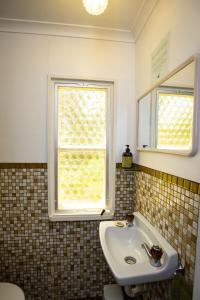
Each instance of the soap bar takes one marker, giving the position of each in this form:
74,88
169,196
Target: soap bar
119,224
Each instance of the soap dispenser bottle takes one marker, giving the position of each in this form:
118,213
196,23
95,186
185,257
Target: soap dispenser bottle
127,158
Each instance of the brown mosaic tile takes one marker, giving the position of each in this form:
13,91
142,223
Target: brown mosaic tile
173,211
194,187
49,260
124,193
63,260
181,182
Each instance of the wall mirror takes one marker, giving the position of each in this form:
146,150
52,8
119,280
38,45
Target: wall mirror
167,113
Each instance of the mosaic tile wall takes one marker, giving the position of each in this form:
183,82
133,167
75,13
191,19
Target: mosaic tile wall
51,260
174,211
125,193
63,260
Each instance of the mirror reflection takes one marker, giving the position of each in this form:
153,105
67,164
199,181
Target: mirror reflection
165,115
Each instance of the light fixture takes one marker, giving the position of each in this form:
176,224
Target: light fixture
95,7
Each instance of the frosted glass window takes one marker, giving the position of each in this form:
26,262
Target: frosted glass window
81,153
175,118
81,116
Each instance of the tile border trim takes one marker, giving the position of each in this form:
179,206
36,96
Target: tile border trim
23,165
189,185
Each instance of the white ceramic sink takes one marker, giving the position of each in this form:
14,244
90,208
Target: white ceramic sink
120,242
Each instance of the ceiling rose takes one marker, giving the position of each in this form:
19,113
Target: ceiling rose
95,7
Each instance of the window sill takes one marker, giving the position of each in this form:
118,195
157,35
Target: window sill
82,216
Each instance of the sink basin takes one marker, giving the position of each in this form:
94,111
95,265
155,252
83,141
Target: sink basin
127,259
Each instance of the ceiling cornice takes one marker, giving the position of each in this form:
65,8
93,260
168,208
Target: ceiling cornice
65,30
142,18
82,31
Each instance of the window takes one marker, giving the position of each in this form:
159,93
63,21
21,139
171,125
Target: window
81,162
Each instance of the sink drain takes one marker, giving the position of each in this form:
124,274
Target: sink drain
130,260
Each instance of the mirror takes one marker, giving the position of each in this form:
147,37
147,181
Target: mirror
167,113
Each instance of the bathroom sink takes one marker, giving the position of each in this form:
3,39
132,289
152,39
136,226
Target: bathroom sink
127,258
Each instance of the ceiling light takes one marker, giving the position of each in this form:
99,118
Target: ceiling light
95,7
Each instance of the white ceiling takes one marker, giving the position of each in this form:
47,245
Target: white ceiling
120,14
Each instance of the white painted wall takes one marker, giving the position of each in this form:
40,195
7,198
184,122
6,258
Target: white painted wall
181,19
25,62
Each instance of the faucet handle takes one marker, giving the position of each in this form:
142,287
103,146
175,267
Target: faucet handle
156,252
130,218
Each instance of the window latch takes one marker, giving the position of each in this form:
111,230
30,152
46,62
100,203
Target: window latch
102,212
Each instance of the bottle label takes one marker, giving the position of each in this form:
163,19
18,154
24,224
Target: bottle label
127,161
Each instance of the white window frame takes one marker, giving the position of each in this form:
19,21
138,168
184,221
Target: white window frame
86,214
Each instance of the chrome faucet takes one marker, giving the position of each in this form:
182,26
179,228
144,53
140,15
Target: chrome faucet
154,253
129,220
